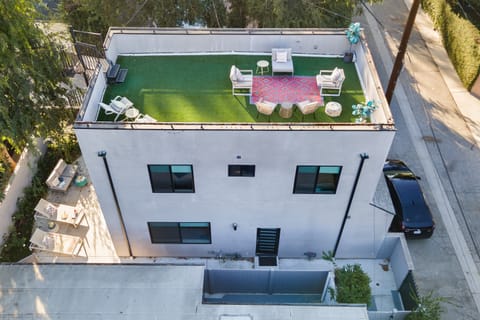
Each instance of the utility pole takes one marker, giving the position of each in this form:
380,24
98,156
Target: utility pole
397,67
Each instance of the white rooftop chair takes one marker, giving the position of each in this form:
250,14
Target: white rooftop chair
242,81
117,108
282,60
331,80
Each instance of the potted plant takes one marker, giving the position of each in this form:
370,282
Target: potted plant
353,36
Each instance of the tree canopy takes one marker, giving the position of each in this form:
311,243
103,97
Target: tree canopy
31,100
98,15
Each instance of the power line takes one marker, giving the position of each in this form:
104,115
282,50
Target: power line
136,12
373,15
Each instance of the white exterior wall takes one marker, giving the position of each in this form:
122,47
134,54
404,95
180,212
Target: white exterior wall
308,222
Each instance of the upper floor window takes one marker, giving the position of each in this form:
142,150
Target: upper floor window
317,179
171,178
241,170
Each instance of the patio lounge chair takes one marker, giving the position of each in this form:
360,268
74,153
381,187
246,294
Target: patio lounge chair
308,107
56,243
331,80
242,81
117,108
124,102
59,213
282,60
265,107
145,118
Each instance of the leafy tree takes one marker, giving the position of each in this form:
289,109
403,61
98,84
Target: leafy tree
31,91
97,15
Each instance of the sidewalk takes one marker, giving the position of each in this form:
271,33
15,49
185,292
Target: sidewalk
465,101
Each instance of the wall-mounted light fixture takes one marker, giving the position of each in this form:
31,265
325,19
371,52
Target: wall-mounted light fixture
234,226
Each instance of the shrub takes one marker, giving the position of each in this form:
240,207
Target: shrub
428,308
352,285
460,38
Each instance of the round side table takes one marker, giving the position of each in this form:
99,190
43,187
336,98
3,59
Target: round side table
132,113
286,110
262,66
333,109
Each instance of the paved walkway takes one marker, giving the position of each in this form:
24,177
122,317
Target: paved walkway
430,84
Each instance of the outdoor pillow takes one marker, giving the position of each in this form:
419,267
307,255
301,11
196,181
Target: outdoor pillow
239,75
233,73
282,56
335,74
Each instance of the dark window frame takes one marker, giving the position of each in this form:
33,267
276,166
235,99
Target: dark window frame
315,180
244,170
172,183
182,239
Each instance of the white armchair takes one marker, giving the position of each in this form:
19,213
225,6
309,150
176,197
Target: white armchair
242,81
308,107
282,60
331,81
265,107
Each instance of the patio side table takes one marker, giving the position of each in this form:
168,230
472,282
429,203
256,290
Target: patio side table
286,110
262,66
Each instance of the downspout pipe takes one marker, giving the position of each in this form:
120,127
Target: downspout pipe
103,154
363,157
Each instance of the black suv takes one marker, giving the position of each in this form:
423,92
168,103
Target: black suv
413,217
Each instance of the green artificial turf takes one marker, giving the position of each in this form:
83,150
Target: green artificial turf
198,89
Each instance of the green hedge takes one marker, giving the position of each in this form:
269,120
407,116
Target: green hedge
460,38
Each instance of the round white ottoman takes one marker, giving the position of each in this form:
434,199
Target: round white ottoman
333,109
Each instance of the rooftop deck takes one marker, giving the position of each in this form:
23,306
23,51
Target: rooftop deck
196,88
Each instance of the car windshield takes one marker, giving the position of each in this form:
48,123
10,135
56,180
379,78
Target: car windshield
400,175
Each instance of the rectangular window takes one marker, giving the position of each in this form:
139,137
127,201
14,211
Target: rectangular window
317,179
171,178
180,232
237,170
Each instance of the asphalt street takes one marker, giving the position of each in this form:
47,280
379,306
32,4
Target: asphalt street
449,148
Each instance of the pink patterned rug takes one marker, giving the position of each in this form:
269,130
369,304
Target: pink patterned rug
285,89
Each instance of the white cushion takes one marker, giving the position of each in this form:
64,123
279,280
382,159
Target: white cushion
233,73
239,75
282,56
335,74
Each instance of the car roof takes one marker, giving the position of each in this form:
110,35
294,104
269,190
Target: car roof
413,205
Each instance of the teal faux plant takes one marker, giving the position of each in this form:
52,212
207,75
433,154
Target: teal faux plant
353,36
363,110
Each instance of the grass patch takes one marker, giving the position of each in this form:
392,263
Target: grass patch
198,89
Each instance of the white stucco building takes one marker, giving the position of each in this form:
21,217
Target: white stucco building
201,188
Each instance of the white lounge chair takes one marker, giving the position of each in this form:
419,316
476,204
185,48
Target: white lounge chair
56,243
123,100
242,81
331,80
117,108
145,118
282,60
59,213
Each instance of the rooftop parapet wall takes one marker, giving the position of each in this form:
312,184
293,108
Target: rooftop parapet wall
331,42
